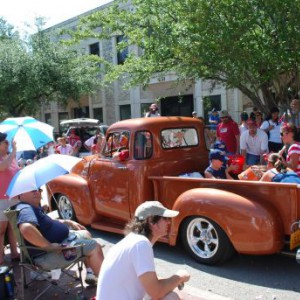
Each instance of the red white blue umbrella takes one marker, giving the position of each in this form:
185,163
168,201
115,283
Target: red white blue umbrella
33,176
29,133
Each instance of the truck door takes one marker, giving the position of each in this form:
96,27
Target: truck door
109,178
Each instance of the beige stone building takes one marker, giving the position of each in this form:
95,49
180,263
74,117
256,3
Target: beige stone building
114,103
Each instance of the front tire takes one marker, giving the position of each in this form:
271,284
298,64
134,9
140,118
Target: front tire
65,208
206,241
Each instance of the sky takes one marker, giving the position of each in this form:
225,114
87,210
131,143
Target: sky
21,12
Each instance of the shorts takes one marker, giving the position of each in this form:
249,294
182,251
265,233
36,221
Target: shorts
56,260
5,204
252,159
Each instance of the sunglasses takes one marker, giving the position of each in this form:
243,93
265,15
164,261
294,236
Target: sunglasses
37,191
283,133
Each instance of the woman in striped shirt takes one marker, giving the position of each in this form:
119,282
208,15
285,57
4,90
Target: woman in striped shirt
290,137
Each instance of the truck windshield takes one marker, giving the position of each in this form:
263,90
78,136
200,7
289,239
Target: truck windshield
179,137
116,142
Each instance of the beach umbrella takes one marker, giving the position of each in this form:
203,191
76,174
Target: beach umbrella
29,133
33,176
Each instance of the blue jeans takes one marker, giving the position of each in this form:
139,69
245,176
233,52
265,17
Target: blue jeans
252,159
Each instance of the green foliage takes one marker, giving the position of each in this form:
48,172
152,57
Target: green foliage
252,45
40,71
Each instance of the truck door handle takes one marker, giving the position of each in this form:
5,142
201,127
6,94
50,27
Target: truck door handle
122,168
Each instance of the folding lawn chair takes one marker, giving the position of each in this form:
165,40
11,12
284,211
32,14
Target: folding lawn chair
26,262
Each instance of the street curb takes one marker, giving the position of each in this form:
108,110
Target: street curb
203,294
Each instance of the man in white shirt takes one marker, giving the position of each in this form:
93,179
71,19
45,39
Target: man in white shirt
253,144
128,270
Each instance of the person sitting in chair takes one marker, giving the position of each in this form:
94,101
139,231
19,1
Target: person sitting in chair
41,231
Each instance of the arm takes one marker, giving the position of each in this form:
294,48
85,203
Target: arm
293,163
228,170
74,225
244,152
209,175
237,137
267,176
158,288
8,160
34,237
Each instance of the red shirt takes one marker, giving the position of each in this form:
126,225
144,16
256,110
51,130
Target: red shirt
227,133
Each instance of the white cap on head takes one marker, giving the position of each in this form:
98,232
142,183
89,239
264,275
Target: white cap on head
154,208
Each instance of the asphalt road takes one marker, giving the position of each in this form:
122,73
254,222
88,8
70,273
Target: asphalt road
242,278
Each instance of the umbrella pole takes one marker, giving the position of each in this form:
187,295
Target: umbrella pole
52,196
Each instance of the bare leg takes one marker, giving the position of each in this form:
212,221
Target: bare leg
13,242
3,226
94,259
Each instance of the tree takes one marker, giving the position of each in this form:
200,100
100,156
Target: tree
39,71
250,45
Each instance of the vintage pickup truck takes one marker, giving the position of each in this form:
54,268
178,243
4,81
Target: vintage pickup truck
217,217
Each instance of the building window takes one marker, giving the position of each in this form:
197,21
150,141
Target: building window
125,112
144,108
98,114
94,49
81,112
48,119
122,53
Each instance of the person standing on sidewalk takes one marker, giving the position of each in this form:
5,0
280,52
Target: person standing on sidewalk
8,168
229,133
128,270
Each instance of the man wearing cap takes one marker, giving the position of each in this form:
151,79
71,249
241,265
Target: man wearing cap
214,118
128,270
228,132
254,143
218,168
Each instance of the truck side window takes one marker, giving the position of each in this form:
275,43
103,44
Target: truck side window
179,138
143,145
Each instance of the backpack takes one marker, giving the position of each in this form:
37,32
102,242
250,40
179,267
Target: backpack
288,177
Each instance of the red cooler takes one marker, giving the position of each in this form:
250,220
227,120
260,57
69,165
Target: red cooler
238,160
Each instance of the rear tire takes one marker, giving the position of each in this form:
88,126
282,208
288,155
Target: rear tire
65,208
206,241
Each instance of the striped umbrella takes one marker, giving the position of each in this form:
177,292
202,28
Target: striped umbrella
29,133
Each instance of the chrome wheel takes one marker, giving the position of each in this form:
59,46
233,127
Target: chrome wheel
205,240
202,238
65,208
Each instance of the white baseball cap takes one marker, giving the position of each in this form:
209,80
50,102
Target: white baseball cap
154,208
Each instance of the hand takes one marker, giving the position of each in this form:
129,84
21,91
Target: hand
232,167
75,225
183,275
271,127
14,145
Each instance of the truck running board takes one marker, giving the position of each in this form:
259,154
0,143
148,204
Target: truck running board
110,227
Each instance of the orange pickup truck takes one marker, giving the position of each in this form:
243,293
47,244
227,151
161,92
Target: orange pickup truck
142,159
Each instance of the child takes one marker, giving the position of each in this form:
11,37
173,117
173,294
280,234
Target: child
217,169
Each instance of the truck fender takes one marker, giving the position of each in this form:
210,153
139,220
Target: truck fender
252,225
76,189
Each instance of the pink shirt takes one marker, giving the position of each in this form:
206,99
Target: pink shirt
6,177
295,148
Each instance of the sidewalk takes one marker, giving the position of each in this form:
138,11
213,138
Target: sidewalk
67,283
